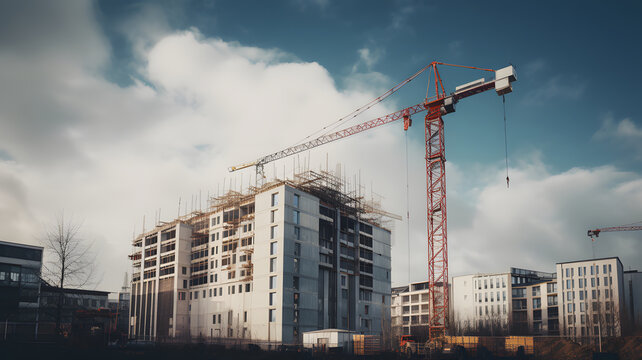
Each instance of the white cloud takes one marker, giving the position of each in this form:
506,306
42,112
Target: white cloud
540,220
543,218
624,134
111,155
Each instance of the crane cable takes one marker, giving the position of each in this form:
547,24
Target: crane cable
407,205
505,142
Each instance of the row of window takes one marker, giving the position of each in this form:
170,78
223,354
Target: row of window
484,310
478,283
583,294
214,292
594,269
595,281
414,298
492,298
273,251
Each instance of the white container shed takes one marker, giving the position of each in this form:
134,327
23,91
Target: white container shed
328,339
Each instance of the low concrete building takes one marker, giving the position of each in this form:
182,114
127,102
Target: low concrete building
72,300
486,303
410,311
535,309
20,268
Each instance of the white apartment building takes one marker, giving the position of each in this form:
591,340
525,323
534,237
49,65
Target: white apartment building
535,308
481,302
264,267
410,310
484,303
591,297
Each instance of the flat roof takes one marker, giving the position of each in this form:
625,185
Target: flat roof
47,287
328,330
35,247
588,260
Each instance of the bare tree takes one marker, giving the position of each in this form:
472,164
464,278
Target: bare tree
70,262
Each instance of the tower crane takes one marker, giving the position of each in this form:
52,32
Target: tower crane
631,227
436,105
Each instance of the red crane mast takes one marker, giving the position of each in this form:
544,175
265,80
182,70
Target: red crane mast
437,105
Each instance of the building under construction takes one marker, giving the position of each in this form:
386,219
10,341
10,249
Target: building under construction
265,266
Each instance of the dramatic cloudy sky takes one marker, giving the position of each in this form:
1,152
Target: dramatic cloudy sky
112,111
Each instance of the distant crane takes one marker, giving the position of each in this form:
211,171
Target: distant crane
631,227
436,105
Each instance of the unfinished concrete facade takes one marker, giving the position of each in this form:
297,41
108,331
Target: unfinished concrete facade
266,266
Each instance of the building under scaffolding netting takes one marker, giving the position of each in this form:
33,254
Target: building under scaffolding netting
264,266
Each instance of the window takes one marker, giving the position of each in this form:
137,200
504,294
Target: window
519,292
552,300
272,216
295,282
297,233
295,200
244,316
273,247
296,265
604,269
247,287
273,232
272,298
297,249
275,199
272,315
272,264
272,282
537,303
296,217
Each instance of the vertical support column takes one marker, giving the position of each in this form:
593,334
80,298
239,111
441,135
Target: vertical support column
437,246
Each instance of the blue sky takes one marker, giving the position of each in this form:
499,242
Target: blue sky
577,61
112,110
